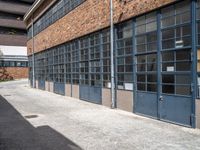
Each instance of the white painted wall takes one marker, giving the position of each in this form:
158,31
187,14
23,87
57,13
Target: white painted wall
13,50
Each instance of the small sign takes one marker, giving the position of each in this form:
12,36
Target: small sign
170,68
128,86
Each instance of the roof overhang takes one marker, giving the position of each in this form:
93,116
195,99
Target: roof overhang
32,9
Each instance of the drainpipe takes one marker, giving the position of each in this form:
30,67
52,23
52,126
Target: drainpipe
33,55
112,55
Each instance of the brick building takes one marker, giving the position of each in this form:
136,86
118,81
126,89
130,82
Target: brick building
156,54
13,38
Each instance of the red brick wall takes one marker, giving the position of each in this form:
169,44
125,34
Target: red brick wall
13,72
89,17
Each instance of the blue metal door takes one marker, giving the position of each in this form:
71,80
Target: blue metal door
41,84
59,88
91,94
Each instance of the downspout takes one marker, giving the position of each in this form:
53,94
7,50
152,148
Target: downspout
112,55
33,55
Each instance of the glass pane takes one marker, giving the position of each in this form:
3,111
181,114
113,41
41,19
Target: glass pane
168,79
141,48
183,55
169,21
141,67
183,90
141,59
183,66
183,79
151,27
152,87
141,78
141,87
168,56
151,78
168,67
151,67
168,89
168,44
168,34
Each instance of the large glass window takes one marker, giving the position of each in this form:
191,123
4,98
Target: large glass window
75,62
176,49
58,69
176,26
68,57
124,59
84,61
61,8
95,60
146,52
106,58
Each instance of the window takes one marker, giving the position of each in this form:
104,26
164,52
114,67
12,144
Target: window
95,60
146,52
176,26
124,56
59,64
75,62
68,62
84,61
61,8
176,14
106,58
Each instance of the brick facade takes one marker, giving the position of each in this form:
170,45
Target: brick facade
89,17
9,73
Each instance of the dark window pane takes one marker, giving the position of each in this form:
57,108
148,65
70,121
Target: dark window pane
168,79
151,87
152,78
183,79
141,78
141,87
168,89
183,66
167,56
183,55
183,90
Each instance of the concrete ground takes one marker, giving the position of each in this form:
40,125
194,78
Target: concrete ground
32,119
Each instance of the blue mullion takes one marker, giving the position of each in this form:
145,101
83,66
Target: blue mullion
194,63
159,75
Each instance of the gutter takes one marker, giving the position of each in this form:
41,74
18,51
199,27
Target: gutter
32,9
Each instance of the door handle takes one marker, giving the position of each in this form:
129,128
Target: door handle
161,98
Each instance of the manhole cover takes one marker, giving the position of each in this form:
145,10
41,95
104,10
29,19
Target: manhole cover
7,95
31,116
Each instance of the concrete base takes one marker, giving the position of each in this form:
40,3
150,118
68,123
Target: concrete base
68,90
46,86
106,97
36,84
75,91
198,113
125,100
51,87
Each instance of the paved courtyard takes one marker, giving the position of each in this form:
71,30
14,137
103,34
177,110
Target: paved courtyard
32,119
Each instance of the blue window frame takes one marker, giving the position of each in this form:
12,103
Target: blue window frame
84,61
57,11
124,60
146,52
58,68
68,58
75,61
176,49
95,60
106,58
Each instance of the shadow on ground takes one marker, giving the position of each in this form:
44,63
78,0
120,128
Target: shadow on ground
18,134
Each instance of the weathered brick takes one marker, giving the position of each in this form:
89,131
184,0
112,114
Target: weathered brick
91,16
